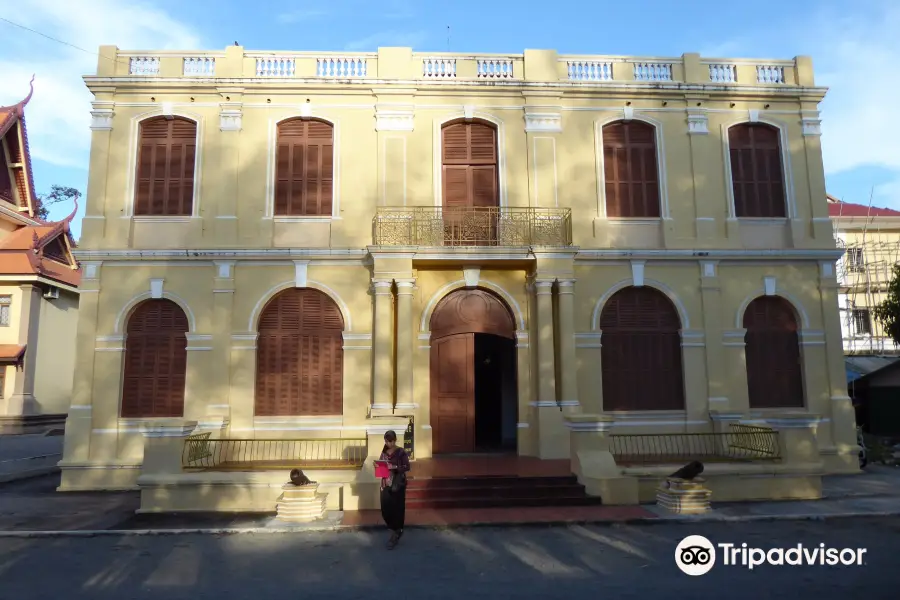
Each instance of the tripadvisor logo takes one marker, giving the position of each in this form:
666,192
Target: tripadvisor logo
696,555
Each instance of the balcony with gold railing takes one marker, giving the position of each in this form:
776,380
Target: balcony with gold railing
472,226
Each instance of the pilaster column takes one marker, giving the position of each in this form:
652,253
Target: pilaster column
546,363
553,439
567,362
93,225
405,340
382,347
22,401
223,306
78,423
735,369
225,184
711,297
843,417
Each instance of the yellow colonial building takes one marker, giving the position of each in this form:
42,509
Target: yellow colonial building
517,253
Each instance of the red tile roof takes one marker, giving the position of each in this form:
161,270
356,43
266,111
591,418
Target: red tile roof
11,353
22,252
847,209
9,117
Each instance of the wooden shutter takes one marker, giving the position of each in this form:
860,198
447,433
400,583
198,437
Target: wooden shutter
304,173
457,189
165,172
155,361
630,170
756,173
300,356
469,158
641,352
772,346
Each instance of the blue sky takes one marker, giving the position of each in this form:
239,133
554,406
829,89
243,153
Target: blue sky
854,45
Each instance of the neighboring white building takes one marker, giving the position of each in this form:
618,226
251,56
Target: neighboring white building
871,239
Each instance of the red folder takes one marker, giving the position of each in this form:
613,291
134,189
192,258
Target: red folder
381,469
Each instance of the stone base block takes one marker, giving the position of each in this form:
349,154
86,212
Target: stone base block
301,504
683,497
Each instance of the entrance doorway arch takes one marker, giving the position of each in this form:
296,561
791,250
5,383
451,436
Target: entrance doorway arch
473,373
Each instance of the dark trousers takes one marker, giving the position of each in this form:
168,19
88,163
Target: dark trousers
393,508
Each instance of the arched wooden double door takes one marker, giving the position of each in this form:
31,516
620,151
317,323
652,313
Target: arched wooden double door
456,321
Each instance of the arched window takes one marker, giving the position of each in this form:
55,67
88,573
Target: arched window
641,352
774,375
630,170
300,356
304,177
155,360
469,160
167,152
756,174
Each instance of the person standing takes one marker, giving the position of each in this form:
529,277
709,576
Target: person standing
393,487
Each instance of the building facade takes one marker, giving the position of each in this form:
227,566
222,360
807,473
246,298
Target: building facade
870,238
311,245
39,280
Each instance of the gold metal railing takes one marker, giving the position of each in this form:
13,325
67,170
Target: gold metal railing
742,443
203,453
472,226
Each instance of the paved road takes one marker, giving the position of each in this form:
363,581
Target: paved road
576,562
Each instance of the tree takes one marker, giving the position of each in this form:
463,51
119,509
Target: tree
58,194
888,312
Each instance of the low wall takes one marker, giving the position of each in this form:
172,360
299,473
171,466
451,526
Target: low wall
734,483
251,491
92,477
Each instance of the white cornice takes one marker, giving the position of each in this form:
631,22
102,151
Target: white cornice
511,253
223,254
785,254
262,82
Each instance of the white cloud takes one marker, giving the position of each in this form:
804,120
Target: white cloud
58,115
857,57
387,38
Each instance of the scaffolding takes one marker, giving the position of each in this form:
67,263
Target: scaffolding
864,274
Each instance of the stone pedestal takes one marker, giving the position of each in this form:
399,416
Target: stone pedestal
683,497
301,503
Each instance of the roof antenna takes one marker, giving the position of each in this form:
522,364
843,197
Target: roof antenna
448,38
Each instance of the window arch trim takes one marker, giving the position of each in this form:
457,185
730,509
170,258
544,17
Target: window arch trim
657,285
787,175
269,295
131,305
659,139
446,290
800,312
271,167
134,142
437,157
